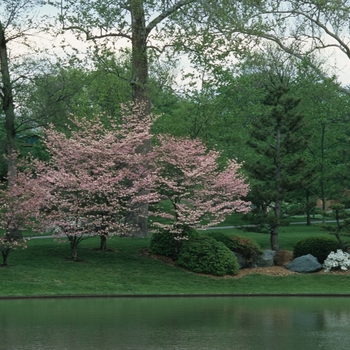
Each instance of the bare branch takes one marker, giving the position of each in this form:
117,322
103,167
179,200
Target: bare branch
296,54
344,46
93,37
168,12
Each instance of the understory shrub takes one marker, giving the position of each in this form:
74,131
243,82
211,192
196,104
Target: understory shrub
339,260
319,247
162,243
248,248
219,236
206,255
167,243
283,257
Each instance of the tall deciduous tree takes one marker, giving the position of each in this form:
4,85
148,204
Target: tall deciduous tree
7,102
279,166
189,176
327,112
141,23
16,22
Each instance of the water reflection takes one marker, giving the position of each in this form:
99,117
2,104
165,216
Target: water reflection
175,323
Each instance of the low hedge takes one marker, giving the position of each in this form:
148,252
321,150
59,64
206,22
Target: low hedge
319,247
248,248
207,255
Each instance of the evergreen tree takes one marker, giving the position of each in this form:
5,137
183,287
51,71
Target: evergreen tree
279,167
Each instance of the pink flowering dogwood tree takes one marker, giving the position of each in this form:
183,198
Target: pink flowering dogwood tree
189,176
95,175
19,207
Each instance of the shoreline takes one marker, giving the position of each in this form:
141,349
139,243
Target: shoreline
153,296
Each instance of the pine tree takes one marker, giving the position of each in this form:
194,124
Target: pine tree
279,167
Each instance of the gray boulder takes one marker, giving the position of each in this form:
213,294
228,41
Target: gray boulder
241,261
305,264
266,259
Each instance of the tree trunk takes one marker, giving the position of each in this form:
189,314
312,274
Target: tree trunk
278,201
322,171
274,232
140,97
274,239
308,209
308,217
8,107
5,253
103,243
74,247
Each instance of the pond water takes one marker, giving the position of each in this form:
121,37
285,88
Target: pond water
246,323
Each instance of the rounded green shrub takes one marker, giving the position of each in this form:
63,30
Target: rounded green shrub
190,232
319,247
164,243
219,236
248,248
206,255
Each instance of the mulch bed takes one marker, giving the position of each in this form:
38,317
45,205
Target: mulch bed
270,271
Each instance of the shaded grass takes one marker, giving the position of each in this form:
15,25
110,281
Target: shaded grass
288,235
45,269
235,219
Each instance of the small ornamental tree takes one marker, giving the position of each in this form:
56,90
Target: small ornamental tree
201,194
94,177
19,207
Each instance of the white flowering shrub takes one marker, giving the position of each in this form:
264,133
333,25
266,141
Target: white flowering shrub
337,260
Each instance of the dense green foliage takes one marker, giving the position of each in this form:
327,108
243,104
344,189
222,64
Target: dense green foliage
319,247
206,255
279,145
248,248
164,243
219,236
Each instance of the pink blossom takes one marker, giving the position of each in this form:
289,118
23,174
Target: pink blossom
201,194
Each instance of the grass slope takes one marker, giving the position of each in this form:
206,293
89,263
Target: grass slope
45,269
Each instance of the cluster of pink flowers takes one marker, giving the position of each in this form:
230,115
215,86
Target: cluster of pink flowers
201,194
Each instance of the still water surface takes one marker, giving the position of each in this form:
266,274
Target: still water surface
176,323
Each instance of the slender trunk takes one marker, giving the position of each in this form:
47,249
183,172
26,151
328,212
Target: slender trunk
103,243
308,209
8,107
141,99
274,240
5,253
322,184
308,217
73,240
278,201
337,231
274,232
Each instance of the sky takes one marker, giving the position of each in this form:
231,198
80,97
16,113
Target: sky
338,62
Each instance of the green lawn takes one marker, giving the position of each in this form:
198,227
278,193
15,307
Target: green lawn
45,269
235,219
288,235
